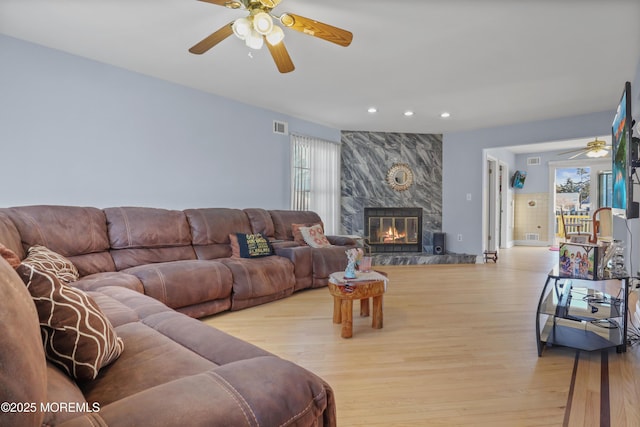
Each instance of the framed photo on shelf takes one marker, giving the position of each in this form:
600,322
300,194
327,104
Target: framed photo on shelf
579,260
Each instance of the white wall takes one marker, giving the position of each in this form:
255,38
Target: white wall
75,131
464,159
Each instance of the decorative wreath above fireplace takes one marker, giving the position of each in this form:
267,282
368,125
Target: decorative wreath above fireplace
400,176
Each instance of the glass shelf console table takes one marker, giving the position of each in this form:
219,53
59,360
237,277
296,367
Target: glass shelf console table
585,314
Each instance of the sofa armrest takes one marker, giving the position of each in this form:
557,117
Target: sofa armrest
279,244
301,257
265,391
342,240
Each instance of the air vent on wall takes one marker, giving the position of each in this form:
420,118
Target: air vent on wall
533,161
281,128
531,236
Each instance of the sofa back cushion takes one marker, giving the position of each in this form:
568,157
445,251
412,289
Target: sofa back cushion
282,221
261,222
78,233
9,235
23,374
140,235
211,227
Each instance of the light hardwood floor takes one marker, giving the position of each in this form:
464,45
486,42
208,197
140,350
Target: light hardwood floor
458,348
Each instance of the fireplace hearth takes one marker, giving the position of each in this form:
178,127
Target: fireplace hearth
393,229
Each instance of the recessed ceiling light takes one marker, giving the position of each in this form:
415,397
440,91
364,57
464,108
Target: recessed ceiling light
408,113
445,115
372,110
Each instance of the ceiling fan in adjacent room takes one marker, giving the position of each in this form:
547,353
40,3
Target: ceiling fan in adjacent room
594,149
258,28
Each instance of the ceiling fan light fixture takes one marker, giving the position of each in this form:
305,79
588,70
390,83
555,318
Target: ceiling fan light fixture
241,28
262,23
597,153
254,40
275,36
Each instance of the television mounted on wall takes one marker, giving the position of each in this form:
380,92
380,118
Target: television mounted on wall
622,162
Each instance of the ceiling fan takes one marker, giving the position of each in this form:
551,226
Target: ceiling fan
258,28
594,149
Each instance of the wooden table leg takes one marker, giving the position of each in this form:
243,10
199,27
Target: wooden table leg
337,317
347,318
364,307
376,322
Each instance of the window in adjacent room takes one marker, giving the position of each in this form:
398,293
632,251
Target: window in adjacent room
315,179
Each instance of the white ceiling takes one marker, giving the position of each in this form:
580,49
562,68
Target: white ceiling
487,62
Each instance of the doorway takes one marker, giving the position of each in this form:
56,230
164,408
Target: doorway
577,189
496,226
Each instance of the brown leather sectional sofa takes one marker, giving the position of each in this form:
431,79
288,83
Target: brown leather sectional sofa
142,266
181,258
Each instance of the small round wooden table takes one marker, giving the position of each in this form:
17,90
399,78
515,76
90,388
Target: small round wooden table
343,296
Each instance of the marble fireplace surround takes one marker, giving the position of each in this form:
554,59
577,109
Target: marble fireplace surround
366,160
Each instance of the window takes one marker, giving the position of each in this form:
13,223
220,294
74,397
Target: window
315,179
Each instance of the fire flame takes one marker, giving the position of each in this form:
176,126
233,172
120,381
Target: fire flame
392,235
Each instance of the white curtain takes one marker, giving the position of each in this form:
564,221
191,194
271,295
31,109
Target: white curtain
315,179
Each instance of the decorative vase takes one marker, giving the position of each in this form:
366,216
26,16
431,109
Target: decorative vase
350,272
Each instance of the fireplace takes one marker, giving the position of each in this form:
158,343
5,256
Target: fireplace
393,229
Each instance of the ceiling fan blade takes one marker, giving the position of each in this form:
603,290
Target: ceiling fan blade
231,4
281,57
575,155
212,40
317,29
574,151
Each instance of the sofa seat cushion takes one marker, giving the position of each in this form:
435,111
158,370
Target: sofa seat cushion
259,280
150,359
111,278
266,391
182,283
214,376
275,392
123,306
